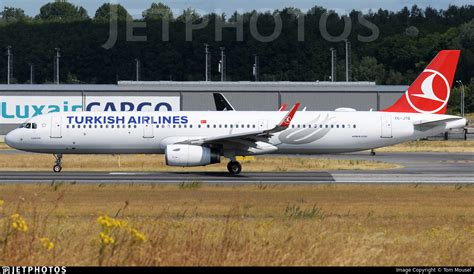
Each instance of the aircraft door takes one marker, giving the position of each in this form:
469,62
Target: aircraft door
56,127
386,127
148,131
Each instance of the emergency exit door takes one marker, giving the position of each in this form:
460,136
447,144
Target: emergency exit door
55,127
386,127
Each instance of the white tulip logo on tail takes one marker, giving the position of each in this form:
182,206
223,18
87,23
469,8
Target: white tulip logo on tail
435,88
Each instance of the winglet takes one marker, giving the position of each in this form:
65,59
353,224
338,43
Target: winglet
283,107
287,120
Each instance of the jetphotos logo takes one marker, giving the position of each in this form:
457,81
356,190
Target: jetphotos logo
33,270
430,93
17,109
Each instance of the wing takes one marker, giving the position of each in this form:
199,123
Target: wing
246,137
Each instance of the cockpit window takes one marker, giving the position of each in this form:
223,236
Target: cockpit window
29,125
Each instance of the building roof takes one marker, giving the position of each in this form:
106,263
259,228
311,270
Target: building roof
214,87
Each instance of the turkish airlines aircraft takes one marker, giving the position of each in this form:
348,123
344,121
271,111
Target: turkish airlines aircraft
199,138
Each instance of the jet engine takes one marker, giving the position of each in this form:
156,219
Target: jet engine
190,155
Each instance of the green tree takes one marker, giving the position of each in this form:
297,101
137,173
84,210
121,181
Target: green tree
158,12
189,14
13,15
368,69
103,12
61,10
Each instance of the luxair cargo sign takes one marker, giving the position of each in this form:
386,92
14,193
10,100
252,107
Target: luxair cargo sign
17,109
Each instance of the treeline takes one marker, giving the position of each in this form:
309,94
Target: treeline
401,44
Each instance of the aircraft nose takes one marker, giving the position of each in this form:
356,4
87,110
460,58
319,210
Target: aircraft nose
11,139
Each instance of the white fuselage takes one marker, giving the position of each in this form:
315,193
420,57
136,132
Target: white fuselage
310,132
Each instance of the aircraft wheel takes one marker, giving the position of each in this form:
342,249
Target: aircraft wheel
234,168
57,168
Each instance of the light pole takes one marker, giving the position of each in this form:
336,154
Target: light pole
208,62
256,68
31,73
333,64
462,96
57,64
222,64
9,54
137,63
348,58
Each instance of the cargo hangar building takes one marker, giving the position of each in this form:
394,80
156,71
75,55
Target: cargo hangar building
21,102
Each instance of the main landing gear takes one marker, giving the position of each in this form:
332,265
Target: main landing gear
57,167
234,167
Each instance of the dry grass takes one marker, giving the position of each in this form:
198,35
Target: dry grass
238,225
41,162
432,146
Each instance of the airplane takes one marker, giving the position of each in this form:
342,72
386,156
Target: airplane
200,138
222,104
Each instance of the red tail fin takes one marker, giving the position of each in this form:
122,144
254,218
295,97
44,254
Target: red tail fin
430,91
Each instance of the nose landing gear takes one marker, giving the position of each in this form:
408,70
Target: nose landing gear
57,168
234,167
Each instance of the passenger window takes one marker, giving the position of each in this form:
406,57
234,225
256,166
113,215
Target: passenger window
72,126
304,126
354,126
95,126
35,126
231,126
327,126
253,126
215,126
337,126
134,126
343,126
67,126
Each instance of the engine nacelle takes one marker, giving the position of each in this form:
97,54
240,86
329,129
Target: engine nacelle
189,155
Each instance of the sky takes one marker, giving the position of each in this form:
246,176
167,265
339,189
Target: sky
135,7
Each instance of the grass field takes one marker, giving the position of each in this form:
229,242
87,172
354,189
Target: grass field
42,162
196,224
